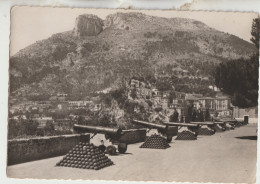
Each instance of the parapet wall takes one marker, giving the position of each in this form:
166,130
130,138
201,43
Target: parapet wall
24,150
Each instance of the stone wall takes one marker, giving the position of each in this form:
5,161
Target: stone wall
24,150
251,112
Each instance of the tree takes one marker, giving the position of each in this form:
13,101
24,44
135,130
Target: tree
201,116
194,115
158,109
207,115
13,128
239,78
189,114
133,93
81,120
163,85
49,128
175,116
172,96
31,127
255,32
104,120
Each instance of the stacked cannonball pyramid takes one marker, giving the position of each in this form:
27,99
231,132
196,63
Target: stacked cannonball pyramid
85,156
205,131
155,142
186,135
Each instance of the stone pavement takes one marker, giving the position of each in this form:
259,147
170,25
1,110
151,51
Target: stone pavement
224,157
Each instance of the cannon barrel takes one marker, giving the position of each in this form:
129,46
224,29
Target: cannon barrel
97,129
181,124
150,125
229,120
219,122
203,123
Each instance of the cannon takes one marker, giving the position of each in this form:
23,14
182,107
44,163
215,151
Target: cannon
165,130
220,124
205,127
209,124
111,134
192,127
228,122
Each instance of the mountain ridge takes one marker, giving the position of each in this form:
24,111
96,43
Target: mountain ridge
100,53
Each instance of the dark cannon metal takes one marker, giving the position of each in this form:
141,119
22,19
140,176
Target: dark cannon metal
208,124
165,130
192,127
111,134
221,124
231,122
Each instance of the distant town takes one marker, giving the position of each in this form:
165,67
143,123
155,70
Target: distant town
59,113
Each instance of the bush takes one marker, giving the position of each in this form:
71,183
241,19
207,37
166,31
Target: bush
158,109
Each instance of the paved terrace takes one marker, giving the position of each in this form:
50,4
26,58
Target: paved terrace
224,157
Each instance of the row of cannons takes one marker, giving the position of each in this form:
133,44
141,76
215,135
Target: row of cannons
88,156
181,131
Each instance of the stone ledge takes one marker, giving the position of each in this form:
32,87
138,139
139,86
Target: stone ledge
25,150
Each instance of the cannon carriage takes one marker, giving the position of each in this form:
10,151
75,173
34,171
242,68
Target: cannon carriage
164,130
168,129
111,134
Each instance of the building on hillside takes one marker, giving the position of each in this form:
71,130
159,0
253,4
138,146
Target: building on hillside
19,117
62,95
80,104
180,95
61,106
165,102
166,94
63,124
179,72
156,92
97,107
222,106
146,93
43,121
134,83
173,104
206,103
58,98
193,99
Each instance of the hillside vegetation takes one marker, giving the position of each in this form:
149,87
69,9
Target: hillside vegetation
98,54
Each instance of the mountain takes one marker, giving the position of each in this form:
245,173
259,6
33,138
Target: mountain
98,54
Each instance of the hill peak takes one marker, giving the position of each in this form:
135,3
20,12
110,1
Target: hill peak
88,25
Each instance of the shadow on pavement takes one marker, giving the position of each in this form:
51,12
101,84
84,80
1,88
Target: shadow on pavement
248,137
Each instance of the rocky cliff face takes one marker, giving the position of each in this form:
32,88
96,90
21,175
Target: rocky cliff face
99,54
88,25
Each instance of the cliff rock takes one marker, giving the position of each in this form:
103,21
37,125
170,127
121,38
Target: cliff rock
88,25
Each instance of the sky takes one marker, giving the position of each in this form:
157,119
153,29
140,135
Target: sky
29,24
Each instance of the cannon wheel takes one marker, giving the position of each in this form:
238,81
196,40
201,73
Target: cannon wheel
169,139
111,150
214,130
122,147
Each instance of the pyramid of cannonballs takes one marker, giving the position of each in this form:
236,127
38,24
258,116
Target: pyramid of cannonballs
186,135
155,142
205,131
85,156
